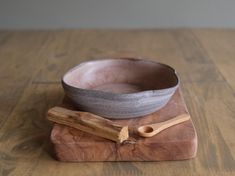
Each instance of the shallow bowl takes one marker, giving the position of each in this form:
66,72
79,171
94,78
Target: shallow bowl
120,88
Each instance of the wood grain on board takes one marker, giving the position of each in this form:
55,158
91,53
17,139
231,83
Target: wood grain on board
32,63
176,143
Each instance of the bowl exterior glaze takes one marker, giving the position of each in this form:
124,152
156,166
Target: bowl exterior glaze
117,105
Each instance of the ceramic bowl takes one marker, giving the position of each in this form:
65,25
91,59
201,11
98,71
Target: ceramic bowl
120,88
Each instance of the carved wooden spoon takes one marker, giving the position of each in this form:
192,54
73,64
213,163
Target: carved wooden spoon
152,129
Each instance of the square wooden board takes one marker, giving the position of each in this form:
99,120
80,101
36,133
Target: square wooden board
176,143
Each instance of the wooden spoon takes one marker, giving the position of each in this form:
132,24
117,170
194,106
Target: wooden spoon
152,129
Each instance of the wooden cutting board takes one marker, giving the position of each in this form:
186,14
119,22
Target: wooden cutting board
176,143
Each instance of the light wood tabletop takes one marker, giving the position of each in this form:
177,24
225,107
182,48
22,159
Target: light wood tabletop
31,66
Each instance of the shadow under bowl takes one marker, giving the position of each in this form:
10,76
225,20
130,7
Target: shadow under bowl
120,88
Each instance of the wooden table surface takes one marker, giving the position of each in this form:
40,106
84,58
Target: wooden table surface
32,63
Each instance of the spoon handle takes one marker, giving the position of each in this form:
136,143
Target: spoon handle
152,129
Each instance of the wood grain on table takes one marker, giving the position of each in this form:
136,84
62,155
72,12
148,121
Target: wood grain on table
32,63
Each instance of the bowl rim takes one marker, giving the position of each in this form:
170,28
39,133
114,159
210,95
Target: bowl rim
111,95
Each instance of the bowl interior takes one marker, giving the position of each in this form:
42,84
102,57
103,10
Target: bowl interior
121,76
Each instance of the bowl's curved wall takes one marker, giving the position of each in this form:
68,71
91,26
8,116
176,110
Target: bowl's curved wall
154,84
